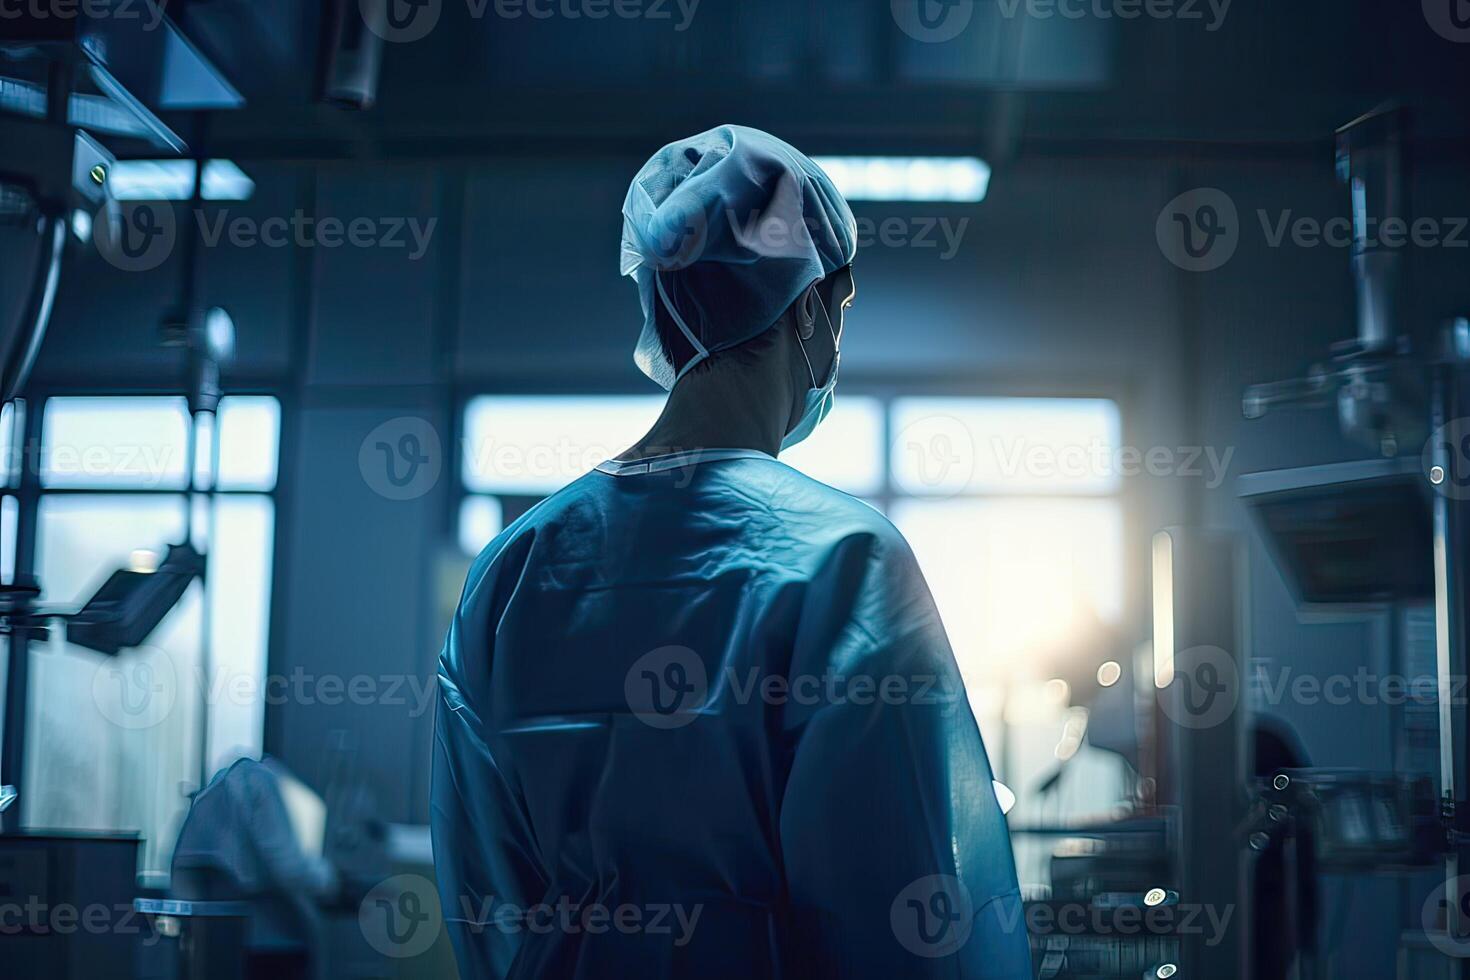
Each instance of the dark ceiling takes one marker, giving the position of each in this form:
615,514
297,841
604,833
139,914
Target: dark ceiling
1251,76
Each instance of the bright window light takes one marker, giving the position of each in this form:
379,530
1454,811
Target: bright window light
956,179
203,452
83,538
480,519
1003,795
948,446
9,444
123,443
534,445
250,433
173,180
239,590
115,442
9,518
846,451
1016,579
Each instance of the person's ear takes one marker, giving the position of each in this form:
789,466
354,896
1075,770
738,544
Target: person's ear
806,314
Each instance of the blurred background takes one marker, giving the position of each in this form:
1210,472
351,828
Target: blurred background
1156,361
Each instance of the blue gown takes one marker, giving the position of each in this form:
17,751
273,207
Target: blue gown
699,718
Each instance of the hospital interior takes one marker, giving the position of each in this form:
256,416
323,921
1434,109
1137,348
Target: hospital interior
1158,359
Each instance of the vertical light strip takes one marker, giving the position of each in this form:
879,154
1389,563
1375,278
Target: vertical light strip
1163,595
10,442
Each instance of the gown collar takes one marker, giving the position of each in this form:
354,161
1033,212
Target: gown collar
671,461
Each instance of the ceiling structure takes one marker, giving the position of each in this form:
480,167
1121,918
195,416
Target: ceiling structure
1037,76
1002,78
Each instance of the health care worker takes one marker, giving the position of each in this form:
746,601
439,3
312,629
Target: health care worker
698,715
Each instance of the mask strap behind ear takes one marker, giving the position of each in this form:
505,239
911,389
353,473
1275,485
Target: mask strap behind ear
806,357
831,327
658,282
811,373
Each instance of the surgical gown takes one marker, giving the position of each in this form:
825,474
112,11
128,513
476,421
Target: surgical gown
699,718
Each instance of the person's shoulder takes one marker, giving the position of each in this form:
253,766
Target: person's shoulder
807,494
503,558
543,512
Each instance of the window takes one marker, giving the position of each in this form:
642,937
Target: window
1012,506
519,449
118,485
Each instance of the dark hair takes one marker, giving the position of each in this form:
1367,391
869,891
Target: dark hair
679,351
676,347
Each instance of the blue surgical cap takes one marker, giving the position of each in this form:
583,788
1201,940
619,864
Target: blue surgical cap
728,229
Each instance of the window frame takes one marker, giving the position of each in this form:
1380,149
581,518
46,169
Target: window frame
886,392
28,491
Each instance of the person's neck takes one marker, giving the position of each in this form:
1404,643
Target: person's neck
728,406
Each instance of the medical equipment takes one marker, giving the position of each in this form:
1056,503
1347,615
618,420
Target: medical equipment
1375,379
1389,395
65,81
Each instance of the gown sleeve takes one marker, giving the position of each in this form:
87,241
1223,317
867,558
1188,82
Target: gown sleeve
897,854
484,856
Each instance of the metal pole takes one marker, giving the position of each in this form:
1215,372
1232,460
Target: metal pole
17,679
1450,474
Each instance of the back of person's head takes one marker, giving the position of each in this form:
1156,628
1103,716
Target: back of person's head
726,234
